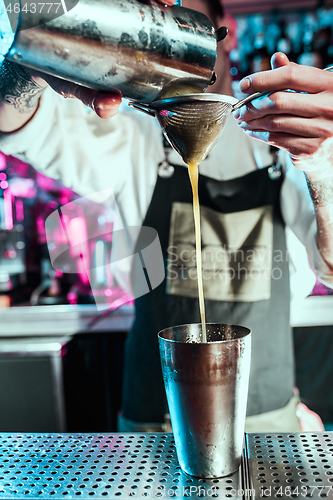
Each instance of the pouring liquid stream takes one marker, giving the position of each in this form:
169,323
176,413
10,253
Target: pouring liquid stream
193,169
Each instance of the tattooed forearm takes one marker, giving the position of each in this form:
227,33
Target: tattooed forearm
321,191
17,88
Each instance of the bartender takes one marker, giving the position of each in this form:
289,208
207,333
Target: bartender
248,195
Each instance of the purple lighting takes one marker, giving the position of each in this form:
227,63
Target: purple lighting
8,198
19,210
2,161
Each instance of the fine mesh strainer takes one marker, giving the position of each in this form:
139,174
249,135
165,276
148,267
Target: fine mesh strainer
193,123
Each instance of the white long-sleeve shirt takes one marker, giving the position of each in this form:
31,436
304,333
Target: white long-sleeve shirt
67,142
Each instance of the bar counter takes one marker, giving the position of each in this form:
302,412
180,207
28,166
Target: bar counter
44,321
85,466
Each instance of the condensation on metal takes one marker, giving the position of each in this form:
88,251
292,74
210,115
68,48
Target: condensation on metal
296,465
85,466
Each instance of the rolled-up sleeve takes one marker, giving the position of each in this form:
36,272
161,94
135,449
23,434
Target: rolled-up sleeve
66,141
299,215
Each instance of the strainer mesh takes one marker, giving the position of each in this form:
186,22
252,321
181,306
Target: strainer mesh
193,128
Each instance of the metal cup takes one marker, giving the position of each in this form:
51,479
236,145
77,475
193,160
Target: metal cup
140,48
206,386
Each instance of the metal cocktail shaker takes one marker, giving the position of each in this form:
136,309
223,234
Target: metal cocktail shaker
140,47
206,386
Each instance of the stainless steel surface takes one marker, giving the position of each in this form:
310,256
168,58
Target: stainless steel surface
99,466
33,346
137,465
70,319
47,321
295,465
138,47
206,386
51,348
312,311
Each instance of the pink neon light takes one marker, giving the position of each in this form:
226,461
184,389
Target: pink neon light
19,210
53,204
24,188
78,237
3,176
7,199
2,162
119,302
108,292
10,254
71,297
4,184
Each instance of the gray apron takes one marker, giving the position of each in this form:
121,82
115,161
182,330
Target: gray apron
246,282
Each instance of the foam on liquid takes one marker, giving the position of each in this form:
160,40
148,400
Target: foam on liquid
193,169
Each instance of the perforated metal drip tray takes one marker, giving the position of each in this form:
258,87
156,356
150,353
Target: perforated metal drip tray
124,466
285,466
95,466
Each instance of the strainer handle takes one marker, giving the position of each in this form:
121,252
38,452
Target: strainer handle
249,98
143,107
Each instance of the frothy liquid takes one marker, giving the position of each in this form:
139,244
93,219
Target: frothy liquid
193,170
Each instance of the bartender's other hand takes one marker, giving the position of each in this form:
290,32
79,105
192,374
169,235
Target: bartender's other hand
299,122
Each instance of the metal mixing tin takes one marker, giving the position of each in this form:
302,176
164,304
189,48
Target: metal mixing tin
138,47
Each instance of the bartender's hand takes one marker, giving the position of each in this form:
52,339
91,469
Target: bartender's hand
21,88
299,122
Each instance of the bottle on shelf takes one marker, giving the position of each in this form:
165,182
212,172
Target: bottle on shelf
261,57
284,43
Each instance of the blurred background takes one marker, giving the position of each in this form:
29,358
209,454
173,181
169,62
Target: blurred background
61,358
